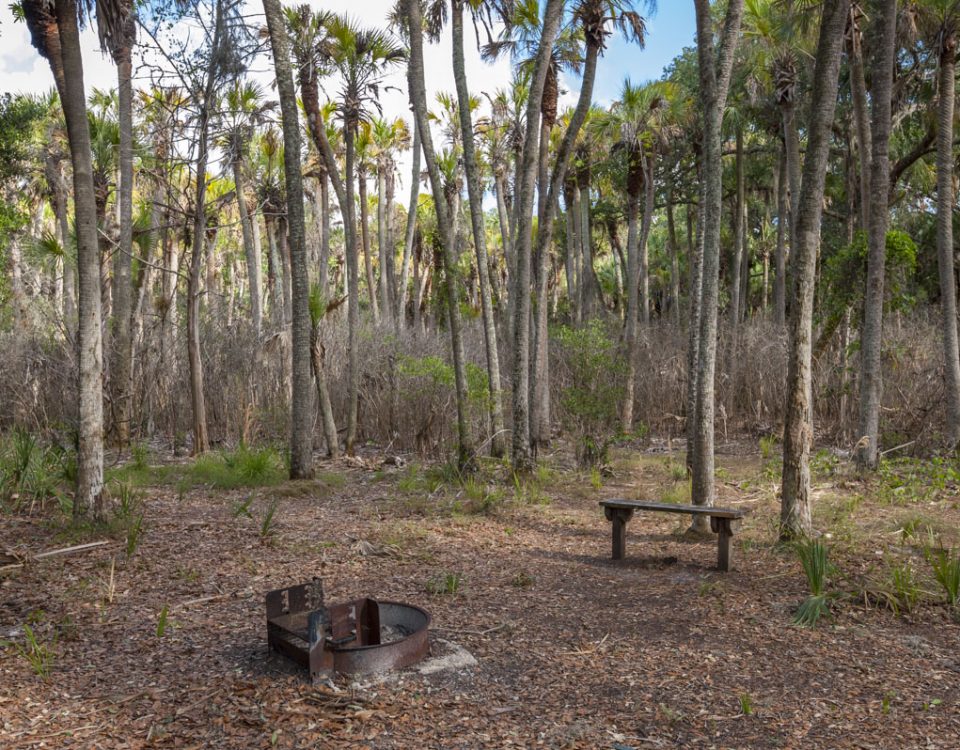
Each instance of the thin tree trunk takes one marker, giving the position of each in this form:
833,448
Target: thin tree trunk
858,95
795,509
382,245
522,457
735,267
631,293
301,411
876,215
418,98
674,260
249,248
475,194
945,249
69,68
411,228
780,256
715,69
365,237
323,196
121,379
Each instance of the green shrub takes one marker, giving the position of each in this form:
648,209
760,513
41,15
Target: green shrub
816,567
946,569
593,374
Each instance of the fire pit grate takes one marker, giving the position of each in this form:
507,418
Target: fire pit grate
361,636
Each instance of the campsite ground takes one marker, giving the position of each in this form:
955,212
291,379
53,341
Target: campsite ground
157,639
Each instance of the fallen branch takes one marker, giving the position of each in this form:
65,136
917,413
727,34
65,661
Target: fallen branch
55,553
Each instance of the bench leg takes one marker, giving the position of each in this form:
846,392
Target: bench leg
724,548
619,535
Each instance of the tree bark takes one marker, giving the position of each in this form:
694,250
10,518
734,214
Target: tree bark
795,509
121,375
946,93
522,456
715,70
418,98
301,411
876,215
780,257
249,248
401,294
475,193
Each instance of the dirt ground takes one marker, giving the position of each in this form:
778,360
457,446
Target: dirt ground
166,647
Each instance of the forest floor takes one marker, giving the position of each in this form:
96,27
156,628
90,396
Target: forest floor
157,639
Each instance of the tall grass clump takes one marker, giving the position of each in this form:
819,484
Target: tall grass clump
816,567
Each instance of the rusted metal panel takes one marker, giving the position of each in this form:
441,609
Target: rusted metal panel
361,636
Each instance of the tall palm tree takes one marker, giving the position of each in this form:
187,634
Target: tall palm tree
388,138
418,98
877,218
55,33
715,67
795,508
245,109
631,126
361,57
364,161
475,194
939,21
117,27
301,413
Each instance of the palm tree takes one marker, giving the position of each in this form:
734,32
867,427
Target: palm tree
939,20
877,217
364,160
361,57
714,70
388,137
418,99
630,125
795,510
245,110
55,33
475,194
301,413
117,27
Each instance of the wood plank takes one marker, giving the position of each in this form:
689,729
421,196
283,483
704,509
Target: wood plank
701,510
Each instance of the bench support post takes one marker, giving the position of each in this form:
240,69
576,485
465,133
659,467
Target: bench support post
618,518
724,531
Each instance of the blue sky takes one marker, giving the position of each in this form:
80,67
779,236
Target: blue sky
669,30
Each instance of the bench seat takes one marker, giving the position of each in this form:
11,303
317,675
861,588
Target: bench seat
619,512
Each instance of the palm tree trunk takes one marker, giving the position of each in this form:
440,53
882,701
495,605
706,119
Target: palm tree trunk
249,248
877,217
674,260
795,510
121,381
365,236
301,411
401,293
67,67
540,413
642,248
498,443
522,457
631,284
714,83
735,267
945,249
353,301
382,246
780,257
858,95
323,208
418,97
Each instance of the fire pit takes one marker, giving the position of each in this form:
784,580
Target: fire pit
362,636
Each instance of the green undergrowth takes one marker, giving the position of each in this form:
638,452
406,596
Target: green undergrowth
242,467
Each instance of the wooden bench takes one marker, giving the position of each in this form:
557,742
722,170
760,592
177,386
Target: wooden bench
721,523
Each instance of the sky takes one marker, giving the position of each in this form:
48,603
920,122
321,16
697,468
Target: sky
669,30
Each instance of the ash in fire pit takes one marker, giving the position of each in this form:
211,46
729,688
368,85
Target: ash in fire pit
362,636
